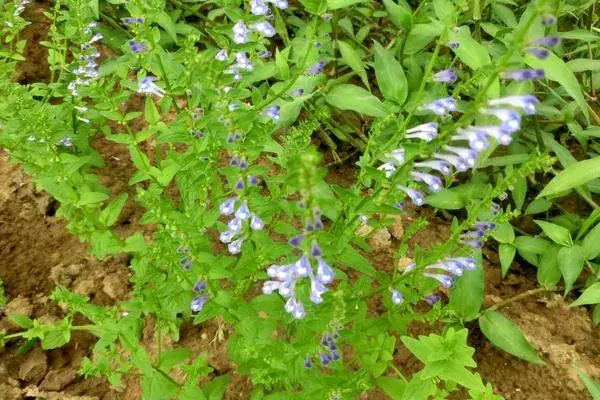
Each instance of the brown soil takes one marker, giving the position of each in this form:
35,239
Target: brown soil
37,254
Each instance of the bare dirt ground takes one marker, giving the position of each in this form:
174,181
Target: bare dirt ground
37,254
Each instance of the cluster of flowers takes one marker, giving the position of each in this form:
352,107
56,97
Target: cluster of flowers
135,46
330,354
199,300
86,71
236,227
285,277
186,261
474,237
263,27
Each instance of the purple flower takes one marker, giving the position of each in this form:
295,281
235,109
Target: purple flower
252,180
396,156
511,120
476,244
548,41
439,165
445,280
137,47
524,74
316,68
186,263
449,266
295,308
243,163
468,156
264,54
426,132
456,161
432,299
324,358
445,76
258,7
315,250
235,225
296,240
281,4
132,20
325,274
316,291
416,196
236,246
441,106
297,92
537,52
484,225
222,55
147,86
227,236
228,206
264,28
308,362
199,286
477,140
240,184
256,224
495,208
240,33
303,267
273,112
397,297
525,102
243,212
434,184
548,20
453,45
242,61
502,137
198,303
388,168
270,286
468,263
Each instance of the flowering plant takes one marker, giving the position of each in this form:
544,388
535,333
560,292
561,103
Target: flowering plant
234,115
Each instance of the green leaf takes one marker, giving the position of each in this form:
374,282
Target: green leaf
352,58
570,261
592,387
336,4
573,176
109,215
353,259
393,387
390,75
504,233
352,97
151,114
506,252
156,386
281,62
556,70
165,21
215,389
584,64
558,234
503,333
400,16
591,247
420,36
446,200
170,358
21,320
467,296
538,206
91,198
548,273
591,295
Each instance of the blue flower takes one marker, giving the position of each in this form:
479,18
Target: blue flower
264,54
537,52
441,106
243,212
281,4
264,28
296,240
511,120
397,297
243,62
453,267
316,291
308,362
445,76
294,307
297,92
258,7
477,140
315,250
432,299
200,286
273,112
445,280
548,41
228,206
525,102
236,246
222,55
416,196
468,156
316,68
426,132
240,33
524,74
456,161
476,244
325,274
453,45
147,86
198,303
256,224
434,184
548,20
439,165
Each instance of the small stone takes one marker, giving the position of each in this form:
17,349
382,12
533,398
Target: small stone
404,262
34,367
114,286
57,379
19,305
397,228
381,239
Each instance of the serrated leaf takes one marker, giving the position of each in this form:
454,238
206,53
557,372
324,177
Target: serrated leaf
556,70
355,98
558,234
570,261
21,320
503,333
573,176
591,295
109,215
352,58
390,75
